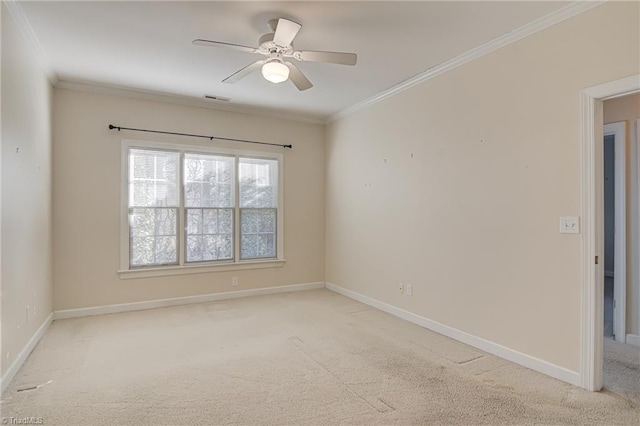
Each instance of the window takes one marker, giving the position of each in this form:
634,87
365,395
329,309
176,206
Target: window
209,206
258,208
153,207
199,207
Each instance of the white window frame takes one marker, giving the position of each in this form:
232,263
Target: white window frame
200,267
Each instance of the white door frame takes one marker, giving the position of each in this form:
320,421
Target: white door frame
634,234
618,131
591,362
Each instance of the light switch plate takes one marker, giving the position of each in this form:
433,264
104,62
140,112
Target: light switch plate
569,225
408,289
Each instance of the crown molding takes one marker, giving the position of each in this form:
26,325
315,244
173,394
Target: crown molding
562,14
27,32
150,95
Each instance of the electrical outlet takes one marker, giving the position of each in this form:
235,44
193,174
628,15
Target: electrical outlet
408,289
401,287
234,281
7,355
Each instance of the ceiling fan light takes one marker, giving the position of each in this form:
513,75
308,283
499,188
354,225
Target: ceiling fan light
275,71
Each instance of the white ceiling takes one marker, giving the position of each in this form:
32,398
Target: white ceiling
147,45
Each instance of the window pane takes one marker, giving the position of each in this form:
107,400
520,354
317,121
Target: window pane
208,180
153,178
266,245
209,234
258,183
165,250
249,246
194,221
194,248
225,245
153,236
142,251
258,233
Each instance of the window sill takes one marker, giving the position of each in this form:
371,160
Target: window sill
199,269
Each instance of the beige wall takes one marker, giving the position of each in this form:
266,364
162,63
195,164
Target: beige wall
86,187
456,186
26,193
627,108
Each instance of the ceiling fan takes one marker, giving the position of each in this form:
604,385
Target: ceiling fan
276,46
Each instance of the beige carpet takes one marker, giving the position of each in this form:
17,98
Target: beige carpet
311,357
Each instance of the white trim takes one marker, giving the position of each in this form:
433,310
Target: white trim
493,348
23,24
562,14
238,264
633,339
591,362
24,353
151,95
163,303
2,380
614,89
635,238
618,131
200,269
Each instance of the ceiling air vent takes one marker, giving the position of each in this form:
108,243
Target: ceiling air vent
217,98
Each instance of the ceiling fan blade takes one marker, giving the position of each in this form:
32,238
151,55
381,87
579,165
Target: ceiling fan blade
239,75
286,31
329,57
297,78
212,43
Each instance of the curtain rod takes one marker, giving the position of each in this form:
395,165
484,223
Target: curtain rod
118,128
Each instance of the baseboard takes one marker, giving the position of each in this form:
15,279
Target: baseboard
509,354
24,353
162,303
608,274
633,339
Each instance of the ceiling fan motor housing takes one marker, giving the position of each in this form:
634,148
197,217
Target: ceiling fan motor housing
266,46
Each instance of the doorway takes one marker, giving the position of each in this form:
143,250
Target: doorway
593,232
615,206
